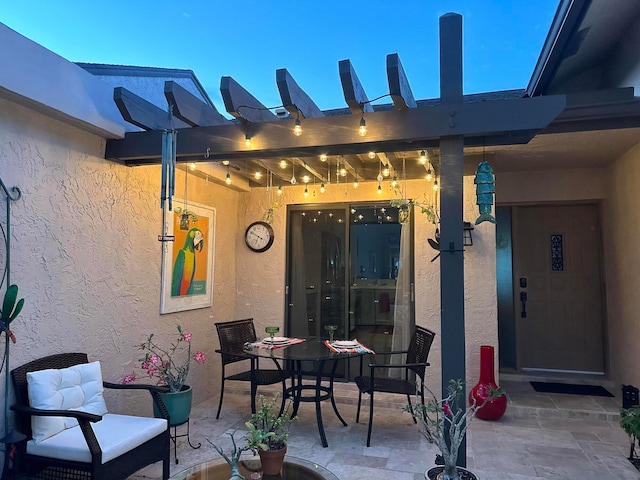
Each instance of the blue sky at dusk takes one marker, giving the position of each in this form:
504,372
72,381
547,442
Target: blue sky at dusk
249,40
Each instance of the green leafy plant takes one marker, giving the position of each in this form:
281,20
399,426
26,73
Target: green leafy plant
267,430
630,423
448,416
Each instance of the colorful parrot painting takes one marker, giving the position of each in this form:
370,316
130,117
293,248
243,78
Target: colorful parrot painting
184,267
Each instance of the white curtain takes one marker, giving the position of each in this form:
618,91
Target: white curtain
402,330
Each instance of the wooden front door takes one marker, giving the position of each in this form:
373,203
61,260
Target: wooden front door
558,288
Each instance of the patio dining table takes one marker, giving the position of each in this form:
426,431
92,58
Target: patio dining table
311,350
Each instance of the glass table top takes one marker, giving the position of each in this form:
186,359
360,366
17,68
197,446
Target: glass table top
293,469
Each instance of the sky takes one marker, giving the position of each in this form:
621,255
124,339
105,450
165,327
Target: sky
250,39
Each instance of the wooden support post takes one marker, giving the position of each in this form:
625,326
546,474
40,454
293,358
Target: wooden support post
451,201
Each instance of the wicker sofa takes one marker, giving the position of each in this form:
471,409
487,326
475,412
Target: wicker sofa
101,445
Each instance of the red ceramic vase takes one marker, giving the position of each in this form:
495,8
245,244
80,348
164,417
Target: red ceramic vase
494,408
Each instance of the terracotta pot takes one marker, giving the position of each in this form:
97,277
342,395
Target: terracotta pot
494,408
272,460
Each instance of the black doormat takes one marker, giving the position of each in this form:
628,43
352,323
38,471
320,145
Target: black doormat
550,387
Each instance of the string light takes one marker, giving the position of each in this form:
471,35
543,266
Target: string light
192,166
279,190
379,189
283,164
355,183
247,140
258,175
429,175
306,191
362,131
394,182
423,158
323,157
385,170
228,179
225,162
305,178
322,189
435,185
372,155
343,172
297,129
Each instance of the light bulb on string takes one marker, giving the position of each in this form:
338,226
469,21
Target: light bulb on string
247,140
385,170
355,183
394,182
283,164
322,189
279,190
435,185
362,130
305,178
258,175
192,166
372,155
228,179
379,189
429,174
423,158
297,129
323,157
306,191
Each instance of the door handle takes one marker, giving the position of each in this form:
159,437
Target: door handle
523,301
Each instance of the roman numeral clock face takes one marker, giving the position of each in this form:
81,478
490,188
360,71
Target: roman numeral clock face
259,236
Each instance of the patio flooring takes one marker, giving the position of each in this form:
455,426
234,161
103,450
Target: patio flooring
542,435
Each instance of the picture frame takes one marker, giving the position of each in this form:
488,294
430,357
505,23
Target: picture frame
193,250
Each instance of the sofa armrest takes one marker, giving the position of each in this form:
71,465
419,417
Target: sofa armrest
136,386
90,417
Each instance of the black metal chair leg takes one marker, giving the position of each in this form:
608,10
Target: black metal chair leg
358,410
221,396
370,420
409,400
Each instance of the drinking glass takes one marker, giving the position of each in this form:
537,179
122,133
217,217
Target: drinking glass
272,331
331,329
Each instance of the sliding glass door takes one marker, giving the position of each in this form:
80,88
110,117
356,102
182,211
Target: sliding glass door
345,269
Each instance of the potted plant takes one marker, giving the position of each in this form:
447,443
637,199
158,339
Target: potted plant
630,423
268,434
170,366
448,415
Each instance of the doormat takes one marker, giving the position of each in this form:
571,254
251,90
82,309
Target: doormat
573,389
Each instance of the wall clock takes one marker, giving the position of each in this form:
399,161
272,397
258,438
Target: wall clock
259,236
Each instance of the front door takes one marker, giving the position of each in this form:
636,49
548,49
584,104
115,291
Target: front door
558,288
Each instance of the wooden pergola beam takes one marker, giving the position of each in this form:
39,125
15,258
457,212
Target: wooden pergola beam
241,104
491,123
354,93
399,87
294,99
140,112
189,108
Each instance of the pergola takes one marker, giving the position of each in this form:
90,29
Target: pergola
403,129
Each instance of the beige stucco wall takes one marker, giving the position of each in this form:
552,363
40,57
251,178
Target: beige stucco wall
85,252
261,276
621,224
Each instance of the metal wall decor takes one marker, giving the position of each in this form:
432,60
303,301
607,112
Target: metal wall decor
557,253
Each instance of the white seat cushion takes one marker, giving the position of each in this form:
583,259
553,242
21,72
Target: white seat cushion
116,434
74,388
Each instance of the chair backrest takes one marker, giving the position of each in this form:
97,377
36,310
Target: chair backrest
233,335
19,378
419,347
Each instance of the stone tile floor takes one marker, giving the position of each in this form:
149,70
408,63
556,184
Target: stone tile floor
541,436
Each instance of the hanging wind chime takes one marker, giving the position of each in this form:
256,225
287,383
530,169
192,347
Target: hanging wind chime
168,177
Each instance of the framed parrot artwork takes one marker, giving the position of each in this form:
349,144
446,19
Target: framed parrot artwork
187,262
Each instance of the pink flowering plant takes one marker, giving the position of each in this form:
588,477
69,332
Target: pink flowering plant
170,366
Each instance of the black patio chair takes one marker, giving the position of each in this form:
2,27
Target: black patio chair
90,449
233,336
415,363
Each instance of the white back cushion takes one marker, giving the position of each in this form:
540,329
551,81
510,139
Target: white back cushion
74,388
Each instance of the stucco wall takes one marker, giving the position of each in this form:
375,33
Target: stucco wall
85,252
622,264
261,276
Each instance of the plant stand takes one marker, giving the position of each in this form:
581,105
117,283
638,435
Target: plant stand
175,436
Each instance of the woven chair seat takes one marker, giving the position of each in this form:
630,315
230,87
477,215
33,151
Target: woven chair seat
386,385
